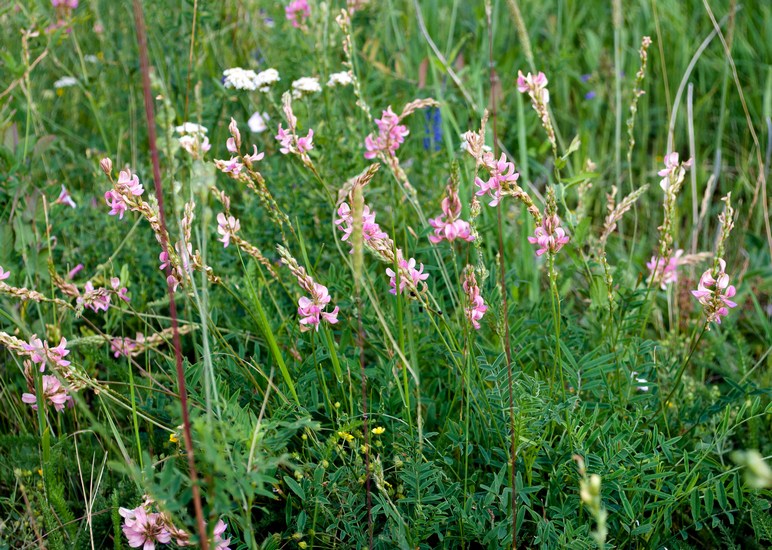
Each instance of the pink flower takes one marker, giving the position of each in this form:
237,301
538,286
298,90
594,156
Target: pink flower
115,282
297,12
126,346
143,529
662,272
673,170
533,85
476,308
501,172
254,157
549,236
163,257
311,310
65,198
128,184
95,299
448,226
305,144
220,543
116,203
407,272
391,135
285,139
74,271
40,352
4,274
53,392
713,292
370,228
227,226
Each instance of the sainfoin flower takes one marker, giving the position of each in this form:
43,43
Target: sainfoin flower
4,274
370,228
408,274
714,292
501,172
95,299
673,172
311,310
549,236
297,12
144,529
126,347
65,198
448,226
536,87
475,308
53,392
41,353
664,272
391,134
227,226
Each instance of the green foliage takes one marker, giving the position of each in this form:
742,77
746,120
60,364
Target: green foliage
397,427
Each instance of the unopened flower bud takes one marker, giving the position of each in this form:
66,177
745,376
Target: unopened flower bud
107,165
234,130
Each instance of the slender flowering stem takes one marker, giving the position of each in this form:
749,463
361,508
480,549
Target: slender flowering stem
145,70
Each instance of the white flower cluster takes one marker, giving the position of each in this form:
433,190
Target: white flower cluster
342,78
258,122
65,82
193,139
247,79
304,86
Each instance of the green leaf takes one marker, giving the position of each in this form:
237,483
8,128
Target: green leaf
296,488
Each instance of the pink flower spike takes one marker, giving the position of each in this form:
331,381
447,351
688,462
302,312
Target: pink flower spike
128,183
4,274
285,140
297,12
65,198
219,541
116,203
714,291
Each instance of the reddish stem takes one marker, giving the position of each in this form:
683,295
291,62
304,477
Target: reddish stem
151,135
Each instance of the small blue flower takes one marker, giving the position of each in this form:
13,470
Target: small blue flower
433,129
590,95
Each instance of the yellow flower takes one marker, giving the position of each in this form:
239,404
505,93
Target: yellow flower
173,438
347,436
379,430
302,544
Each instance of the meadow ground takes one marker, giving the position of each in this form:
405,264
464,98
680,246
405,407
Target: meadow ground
433,274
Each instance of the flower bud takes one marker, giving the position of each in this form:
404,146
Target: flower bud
234,130
107,165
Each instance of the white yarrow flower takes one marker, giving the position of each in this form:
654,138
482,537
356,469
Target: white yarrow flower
240,79
65,82
342,78
304,86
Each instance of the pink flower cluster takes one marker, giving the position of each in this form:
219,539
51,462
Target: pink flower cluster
714,293
297,12
125,188
144,528
448,226
663,272
290,143
69,4
407,273
126,347
391,134
53,392
98,299
227,226
476,308
311,310
370,228
673,172
4,274
501,172
536,88
236,163
549,236
41,353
